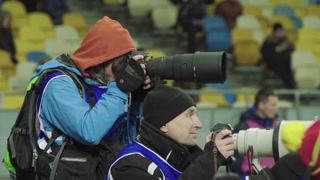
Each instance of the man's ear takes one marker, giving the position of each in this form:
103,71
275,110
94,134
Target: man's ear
164,129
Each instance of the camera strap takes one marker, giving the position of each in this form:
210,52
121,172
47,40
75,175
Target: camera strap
215,153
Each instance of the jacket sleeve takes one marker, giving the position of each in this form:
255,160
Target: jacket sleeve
63,107
134,167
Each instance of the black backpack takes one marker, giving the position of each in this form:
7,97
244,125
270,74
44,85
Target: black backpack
31,162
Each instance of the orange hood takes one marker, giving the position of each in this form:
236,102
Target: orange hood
105,41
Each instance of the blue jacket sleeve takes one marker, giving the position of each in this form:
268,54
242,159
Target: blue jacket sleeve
63,107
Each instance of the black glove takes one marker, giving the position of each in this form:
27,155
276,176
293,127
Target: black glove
129,76
139,94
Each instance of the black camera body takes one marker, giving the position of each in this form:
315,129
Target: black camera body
221,126
218,128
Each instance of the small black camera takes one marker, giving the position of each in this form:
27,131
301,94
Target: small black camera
218,128
221,126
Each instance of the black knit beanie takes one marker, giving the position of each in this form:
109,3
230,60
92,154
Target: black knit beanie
164,103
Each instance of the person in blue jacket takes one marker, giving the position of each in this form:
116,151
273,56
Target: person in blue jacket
263,114
97,61
166,147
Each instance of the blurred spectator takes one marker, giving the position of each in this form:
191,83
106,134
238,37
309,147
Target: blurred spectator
263,115
31,5
276,53
191,16
56,9
6,39
229,10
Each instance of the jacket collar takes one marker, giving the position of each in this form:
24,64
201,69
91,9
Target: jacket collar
179,156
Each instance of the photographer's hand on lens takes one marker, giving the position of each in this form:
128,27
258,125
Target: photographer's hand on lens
139,94
224,143
132,74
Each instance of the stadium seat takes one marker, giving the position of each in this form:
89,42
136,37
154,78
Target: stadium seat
67,33
311,46
6,66
43,21
311,21
308,35
246,94
212,95
77,21
299,12
252,10
283,10
241,34
307,76
16,8
13,101
139,8
36,56
33,35
264,22
291,3
246,52
296,22
300,58
248,21
214,22
217,33
261,3
312,10
164,16
230,98
259,35
55,47
26,70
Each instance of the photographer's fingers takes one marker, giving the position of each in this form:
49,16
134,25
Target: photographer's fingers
223,134
140,58
147,83
226,150
209,137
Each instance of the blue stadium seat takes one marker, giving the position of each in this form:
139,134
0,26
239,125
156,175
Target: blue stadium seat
217,33
36,56
214,22
296,22
283,10
230,98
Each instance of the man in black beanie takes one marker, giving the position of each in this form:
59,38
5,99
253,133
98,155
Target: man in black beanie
276,54
166,145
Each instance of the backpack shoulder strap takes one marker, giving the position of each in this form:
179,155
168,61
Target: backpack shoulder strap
65,59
